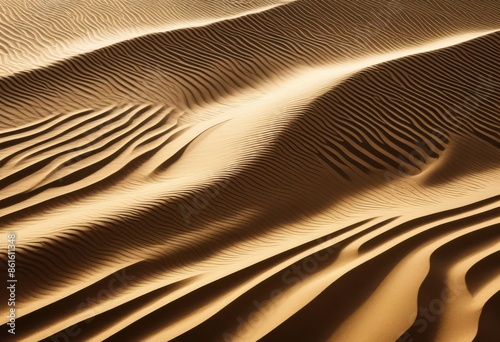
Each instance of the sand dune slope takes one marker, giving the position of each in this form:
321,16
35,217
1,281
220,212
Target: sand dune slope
39,33
233,171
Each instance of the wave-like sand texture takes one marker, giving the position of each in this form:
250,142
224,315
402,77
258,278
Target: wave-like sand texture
303,170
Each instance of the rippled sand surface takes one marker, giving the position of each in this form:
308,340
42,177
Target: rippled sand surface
310,170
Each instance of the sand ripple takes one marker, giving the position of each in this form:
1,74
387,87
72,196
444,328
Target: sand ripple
240,170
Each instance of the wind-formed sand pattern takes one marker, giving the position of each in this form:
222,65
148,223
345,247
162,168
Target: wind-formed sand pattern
309,170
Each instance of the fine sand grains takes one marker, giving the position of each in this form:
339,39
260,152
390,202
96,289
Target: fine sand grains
305,170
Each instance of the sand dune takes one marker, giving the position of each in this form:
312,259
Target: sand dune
241,170
39,33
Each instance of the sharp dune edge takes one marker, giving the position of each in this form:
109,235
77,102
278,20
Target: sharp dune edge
243,170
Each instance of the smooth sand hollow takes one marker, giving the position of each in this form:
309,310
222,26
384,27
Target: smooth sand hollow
232,170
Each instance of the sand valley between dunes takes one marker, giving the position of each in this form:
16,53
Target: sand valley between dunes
309,170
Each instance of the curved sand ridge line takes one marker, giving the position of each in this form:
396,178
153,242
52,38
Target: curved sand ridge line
319,198
483,42
38,33
87,141
193,68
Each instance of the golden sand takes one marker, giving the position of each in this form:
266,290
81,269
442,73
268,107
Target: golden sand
309,170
